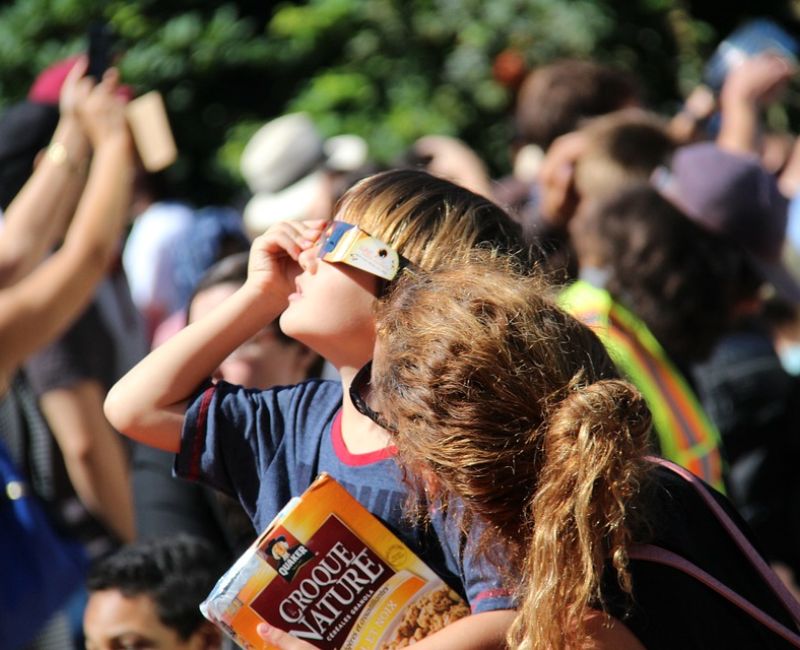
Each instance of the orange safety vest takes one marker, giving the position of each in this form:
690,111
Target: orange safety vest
685,433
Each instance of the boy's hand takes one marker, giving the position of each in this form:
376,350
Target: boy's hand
273,264
280,639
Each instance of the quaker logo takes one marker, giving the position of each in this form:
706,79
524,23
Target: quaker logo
285,554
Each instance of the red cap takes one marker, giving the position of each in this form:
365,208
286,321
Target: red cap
47,87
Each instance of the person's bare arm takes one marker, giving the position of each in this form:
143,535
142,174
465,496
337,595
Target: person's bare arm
93,452
484,631
685,125
609,633
789,180
42,304
149,402
39,214
748,88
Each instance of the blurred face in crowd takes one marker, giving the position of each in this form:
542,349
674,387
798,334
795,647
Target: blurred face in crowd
113,621
263,361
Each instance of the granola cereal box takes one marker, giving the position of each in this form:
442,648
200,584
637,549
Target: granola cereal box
327,571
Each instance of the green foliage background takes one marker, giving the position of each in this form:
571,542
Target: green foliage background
389,70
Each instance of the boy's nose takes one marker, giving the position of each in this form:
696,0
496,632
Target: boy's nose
308,259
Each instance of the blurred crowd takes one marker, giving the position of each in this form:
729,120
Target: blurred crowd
675,237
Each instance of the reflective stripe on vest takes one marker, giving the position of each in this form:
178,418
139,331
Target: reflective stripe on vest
685,433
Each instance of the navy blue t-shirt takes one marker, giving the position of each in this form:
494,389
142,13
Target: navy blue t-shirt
264,447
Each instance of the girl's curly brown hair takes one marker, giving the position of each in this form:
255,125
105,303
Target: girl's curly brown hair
515,407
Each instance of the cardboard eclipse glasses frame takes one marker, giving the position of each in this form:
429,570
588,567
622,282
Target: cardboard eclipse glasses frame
349,244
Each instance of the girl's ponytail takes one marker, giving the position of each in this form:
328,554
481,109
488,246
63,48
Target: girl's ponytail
516,407
592,466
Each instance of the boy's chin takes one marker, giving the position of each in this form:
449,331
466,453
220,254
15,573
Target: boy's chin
292,328
291,332
287,321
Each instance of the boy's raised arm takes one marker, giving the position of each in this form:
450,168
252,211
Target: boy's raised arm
149,402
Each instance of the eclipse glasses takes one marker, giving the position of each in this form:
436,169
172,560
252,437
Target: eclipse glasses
349,244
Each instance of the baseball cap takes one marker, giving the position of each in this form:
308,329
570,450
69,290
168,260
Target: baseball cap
735,196
46,88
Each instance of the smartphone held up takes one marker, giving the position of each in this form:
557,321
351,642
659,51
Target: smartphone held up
101,49
146,115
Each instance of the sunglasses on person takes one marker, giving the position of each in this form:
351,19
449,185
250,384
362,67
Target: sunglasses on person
349,244
359,387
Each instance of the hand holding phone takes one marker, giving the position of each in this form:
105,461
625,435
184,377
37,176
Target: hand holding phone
759,36
101,45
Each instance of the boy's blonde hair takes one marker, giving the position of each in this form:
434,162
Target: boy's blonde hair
426,218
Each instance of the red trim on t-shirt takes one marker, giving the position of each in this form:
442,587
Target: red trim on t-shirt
199,434
349,458
490,593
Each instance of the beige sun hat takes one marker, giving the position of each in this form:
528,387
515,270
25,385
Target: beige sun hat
285,165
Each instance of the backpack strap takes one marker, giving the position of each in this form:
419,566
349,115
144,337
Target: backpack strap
660,555
769,576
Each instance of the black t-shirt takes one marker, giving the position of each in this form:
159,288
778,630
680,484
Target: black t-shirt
755,404
674,610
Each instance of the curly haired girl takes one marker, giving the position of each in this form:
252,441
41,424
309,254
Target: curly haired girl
497,396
